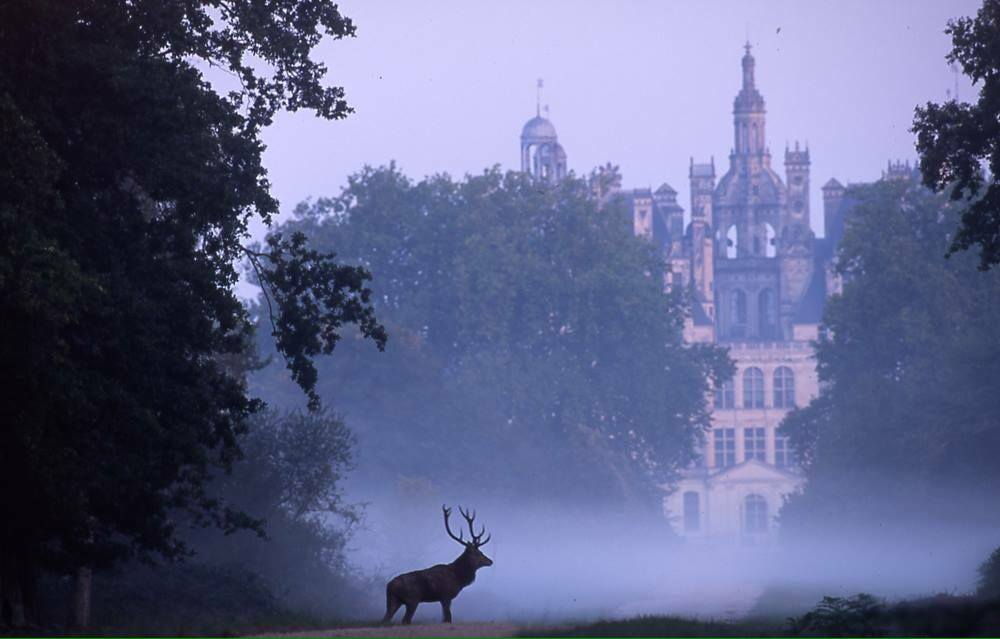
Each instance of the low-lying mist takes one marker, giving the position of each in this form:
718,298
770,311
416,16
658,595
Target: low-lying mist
557,563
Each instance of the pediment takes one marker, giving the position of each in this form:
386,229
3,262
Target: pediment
755,471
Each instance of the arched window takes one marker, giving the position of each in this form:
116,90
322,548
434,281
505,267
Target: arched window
766,317
725,396
769,248
753,388
732,240
755,136
784,387
754,514
692,511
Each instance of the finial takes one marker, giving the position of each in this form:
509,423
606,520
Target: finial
538,99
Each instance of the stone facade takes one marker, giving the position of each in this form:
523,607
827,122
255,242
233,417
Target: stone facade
758,279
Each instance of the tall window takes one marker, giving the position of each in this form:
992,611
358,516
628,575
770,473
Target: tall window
753,388
738,313
754,444
732,239
739,307
725,396
692,511
754,514
766,319
725,446
784,387
784,456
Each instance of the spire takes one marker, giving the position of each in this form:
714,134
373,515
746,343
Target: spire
748,113
748,64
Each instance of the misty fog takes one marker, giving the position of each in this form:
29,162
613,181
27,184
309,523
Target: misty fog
554,564
695,306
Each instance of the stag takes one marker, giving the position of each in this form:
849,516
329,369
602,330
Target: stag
442,582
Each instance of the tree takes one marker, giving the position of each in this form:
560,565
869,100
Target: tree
905,428
955,138
126,189
535,350
290,477
989,576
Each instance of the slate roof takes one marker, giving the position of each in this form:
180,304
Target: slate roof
811,306
702,170
832,183
666,189
698,314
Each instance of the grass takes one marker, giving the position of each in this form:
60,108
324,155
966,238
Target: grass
664,626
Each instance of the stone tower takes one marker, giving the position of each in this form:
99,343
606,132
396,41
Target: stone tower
797,175
749,207
833,220
702,179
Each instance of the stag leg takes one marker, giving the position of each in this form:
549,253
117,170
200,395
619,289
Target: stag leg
410,609
392,604
446,610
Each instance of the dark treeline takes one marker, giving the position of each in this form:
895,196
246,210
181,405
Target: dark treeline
535,356
905,432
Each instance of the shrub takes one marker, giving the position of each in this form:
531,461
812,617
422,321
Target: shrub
857,616
989,576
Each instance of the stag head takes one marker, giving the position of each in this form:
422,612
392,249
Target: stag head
472,552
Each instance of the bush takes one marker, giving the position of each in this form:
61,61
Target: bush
857,616
989,576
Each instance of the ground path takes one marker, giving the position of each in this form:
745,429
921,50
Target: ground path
414,630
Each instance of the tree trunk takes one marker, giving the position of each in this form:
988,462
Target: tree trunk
81,597
12,611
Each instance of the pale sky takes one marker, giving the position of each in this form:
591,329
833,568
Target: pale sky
446,87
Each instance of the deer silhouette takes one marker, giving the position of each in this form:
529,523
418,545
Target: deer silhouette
442,582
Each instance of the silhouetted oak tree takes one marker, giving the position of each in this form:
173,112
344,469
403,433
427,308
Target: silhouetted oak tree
536,353
126,188
954,139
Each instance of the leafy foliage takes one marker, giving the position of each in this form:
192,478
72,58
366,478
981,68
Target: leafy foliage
126,189
530,325
291,573
905,428
954,138
855,616
989,576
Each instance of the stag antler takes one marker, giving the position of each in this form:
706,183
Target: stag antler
470,516
447,512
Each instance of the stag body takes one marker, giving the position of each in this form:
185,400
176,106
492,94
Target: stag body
440,583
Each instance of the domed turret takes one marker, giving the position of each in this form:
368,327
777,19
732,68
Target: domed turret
541,154
538,129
